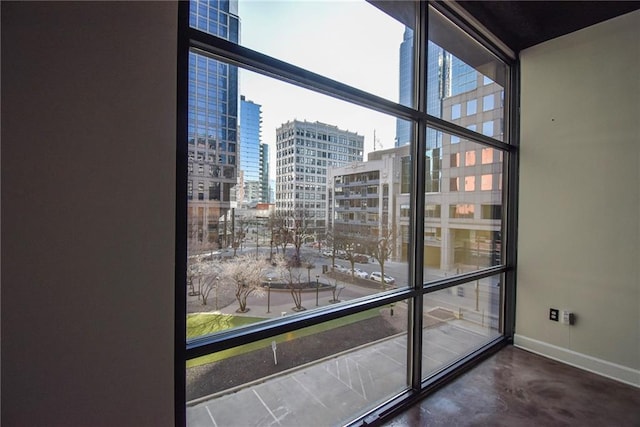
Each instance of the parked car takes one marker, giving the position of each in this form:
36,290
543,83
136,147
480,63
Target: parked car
340,268
327,252
362,259
377,276
360,273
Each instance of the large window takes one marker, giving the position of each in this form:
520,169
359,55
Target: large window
383,258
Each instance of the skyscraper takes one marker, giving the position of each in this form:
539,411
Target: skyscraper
265,194
403,127
304,152
213,128
462,182
250,151
438,79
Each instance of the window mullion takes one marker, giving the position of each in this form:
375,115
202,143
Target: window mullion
418,150
510,179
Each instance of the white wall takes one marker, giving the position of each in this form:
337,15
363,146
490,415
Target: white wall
579,222
88,161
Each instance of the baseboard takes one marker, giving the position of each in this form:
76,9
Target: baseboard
588,363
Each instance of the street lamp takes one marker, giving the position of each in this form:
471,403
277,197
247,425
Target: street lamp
269,295
317,287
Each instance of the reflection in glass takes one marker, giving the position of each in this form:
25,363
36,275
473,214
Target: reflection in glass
469,237
320,375
458,320
459,72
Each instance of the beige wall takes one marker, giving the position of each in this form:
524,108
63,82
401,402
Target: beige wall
579,219
88,160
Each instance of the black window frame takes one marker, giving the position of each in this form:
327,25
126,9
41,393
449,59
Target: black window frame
234,54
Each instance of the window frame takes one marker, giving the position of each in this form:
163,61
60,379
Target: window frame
190,39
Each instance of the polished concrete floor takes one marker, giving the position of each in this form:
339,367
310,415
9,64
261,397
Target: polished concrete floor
518,388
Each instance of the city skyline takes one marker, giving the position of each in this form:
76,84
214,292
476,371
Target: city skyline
365,57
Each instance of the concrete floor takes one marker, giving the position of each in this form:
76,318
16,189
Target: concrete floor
518,388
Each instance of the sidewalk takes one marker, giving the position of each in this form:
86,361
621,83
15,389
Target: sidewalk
331,390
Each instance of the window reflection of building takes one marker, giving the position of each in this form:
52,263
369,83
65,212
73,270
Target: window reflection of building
213,129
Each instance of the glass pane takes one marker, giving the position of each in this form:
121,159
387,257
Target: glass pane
354,42
321,375
463,207
217,17
465,82
459,320
331,232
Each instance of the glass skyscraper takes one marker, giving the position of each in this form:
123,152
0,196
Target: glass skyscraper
464,78
403,127
250,150
213,128
438,78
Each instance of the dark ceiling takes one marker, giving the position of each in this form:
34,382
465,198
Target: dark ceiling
522,24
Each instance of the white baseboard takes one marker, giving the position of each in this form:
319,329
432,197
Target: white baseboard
588,363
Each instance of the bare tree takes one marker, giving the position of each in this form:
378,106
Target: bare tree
292,277
382,249
309,266
349,248
336,291
241,228
210,281
244,275
202,279
347,244
291,227
299,225
272,224
192,276
331,242
280,231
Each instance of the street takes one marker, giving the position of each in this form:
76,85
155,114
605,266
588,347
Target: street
477,301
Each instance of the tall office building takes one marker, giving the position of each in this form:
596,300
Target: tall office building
304,151
250,152
462,77
463,220
403,127
265,195
438,86
213,128
464,197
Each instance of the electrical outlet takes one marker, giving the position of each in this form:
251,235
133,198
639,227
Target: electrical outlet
568,317
554,314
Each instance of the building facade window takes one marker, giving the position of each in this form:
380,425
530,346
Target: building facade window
486,182
462,211
455,111
472,107
487,128
487,103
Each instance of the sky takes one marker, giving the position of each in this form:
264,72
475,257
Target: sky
323,37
